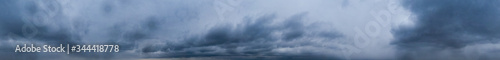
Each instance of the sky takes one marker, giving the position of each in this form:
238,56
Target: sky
254,29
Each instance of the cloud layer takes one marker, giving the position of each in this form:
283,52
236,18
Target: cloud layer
444,28
261,36
161,29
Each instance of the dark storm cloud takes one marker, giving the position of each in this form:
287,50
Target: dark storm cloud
9,15
447,25
255,37
128,39
14,27
149,33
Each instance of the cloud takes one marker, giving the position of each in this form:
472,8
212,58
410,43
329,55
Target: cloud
110,22
262,36
443,27
65,22
274,30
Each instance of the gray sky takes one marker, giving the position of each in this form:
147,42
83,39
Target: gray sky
253,29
